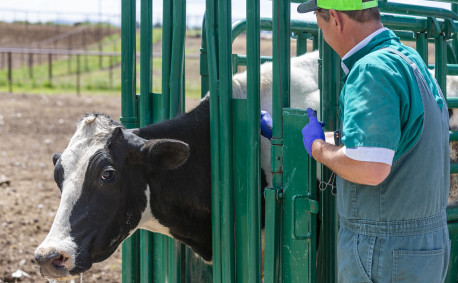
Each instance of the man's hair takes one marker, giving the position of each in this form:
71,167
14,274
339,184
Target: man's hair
360,16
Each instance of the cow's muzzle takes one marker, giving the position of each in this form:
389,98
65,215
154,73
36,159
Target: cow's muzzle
53,264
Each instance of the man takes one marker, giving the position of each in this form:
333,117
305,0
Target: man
393,160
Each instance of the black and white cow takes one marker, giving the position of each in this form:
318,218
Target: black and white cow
114,181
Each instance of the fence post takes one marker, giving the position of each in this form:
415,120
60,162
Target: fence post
50,68
10,72
78,75
69,66
31,65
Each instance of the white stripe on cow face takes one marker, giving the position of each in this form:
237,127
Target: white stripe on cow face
149,222
91,135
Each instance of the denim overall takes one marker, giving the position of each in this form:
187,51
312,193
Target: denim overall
397,231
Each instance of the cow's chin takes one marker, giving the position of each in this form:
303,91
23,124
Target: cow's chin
60,274
99,257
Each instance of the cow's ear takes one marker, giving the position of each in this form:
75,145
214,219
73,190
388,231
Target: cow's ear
165,153
55,158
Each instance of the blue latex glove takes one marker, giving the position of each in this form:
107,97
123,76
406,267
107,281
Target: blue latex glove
312,131
266,124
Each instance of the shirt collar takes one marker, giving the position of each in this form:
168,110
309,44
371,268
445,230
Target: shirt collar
358,47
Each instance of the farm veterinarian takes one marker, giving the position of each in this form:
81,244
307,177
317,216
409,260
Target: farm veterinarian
393,163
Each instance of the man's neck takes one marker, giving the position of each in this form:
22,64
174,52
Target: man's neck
357,32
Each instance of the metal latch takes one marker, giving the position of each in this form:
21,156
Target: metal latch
303,206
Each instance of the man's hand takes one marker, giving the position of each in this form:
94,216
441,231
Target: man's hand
312,131
266,124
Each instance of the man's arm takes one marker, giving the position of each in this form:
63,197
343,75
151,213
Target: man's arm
361,172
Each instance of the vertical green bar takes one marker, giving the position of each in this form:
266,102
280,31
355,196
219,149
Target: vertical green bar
226,149
241,185
272,236
455,39
280,86
177,58
146,118
330,88
440,67
167,36
160,258
301,46
253,263
422,46
128,60
130,253
203,67
213,67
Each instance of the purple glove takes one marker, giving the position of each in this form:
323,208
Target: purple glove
266,124
312,131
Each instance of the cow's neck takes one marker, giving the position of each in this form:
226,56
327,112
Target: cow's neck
179,200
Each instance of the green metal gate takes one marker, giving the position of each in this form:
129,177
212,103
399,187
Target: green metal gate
291,206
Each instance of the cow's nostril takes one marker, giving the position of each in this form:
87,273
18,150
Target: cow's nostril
60,261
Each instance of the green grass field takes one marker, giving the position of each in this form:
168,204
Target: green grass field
95,78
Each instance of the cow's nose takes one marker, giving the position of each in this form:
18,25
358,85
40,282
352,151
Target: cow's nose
53,264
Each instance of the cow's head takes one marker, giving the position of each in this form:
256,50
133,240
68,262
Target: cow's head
101,175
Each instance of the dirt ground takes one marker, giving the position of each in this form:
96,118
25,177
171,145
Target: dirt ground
32,128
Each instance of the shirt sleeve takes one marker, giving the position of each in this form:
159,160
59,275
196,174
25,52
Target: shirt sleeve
371,108
370,154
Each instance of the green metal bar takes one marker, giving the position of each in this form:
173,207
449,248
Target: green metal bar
175,250
226,150
455,39
452,69
146,118
159,256
241,193
398,8
422,46
177,59
281,74
167,29
440,67
454,168
272,236
203,67
452,102
146,63
146,256
330,88
301,45
242,59
266,24
453,136
212,52
280,92
130,259
128,59
253,107
161,113
452,214
130,253
397,22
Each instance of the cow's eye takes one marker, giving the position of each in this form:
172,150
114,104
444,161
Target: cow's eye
107,174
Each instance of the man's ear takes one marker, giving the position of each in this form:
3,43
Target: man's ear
165,153
337,18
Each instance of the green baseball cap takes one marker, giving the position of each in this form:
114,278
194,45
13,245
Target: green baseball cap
338,5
